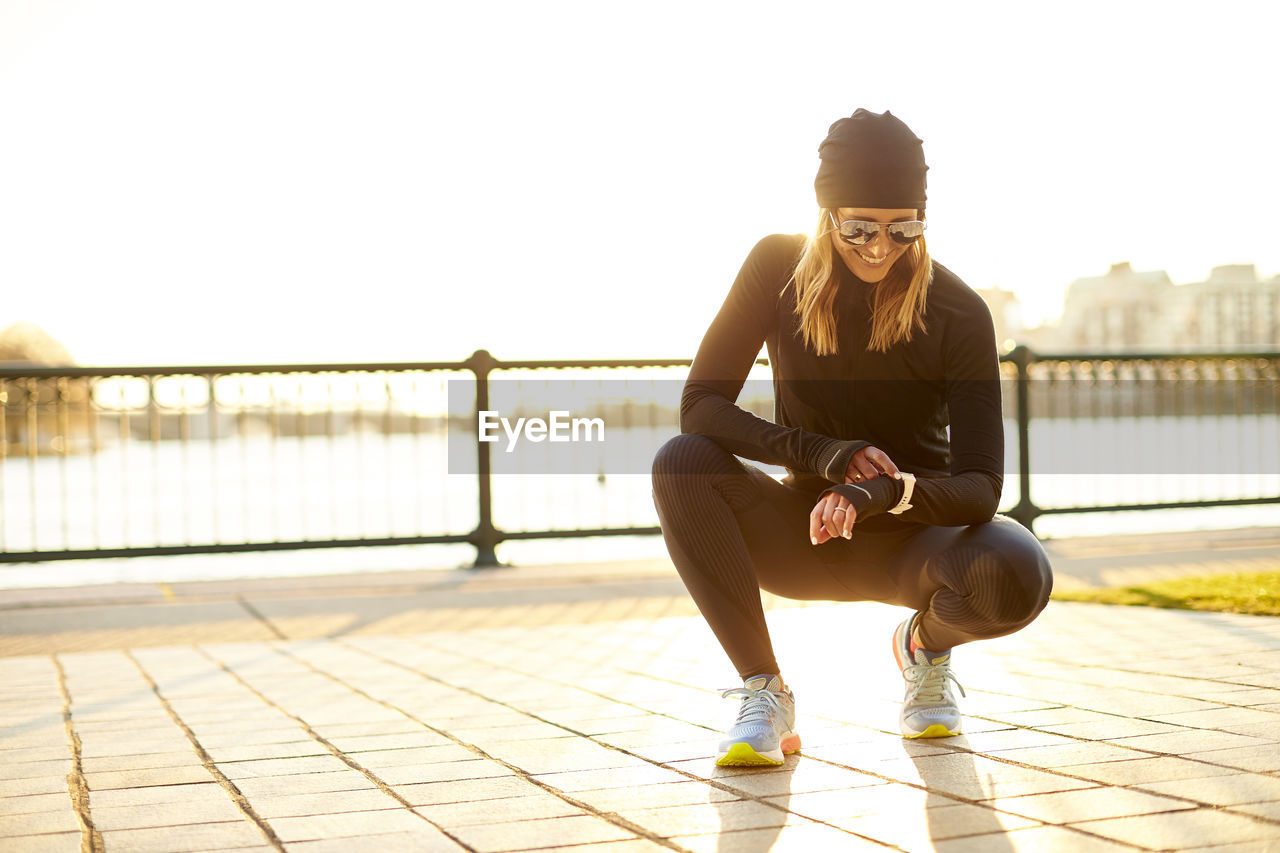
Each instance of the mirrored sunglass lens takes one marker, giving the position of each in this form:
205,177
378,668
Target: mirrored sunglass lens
906,232
856,232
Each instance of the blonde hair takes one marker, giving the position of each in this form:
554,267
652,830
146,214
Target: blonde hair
897,307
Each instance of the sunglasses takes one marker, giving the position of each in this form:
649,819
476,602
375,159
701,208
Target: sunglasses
859,232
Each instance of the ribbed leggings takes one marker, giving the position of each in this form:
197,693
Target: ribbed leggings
733,530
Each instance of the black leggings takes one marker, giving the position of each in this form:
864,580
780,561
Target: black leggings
733,530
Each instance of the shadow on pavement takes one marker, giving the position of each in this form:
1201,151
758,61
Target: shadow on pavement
733,820
959,776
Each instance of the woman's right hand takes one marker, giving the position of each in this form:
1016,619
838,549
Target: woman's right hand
869,463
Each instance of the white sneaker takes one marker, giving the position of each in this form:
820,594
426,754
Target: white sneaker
929,709
765,728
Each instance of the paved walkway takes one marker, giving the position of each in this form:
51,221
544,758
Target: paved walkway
560,707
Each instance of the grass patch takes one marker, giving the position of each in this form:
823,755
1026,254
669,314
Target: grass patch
1257,593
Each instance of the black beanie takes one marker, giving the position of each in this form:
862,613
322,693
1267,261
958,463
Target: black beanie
871,160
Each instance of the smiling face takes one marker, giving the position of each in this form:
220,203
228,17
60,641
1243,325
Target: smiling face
872,261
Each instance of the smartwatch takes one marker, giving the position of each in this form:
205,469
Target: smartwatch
908,486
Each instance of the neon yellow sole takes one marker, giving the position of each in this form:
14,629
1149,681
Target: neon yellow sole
742,755
936,730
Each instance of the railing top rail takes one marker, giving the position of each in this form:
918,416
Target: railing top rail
16,370
1206,355
9,370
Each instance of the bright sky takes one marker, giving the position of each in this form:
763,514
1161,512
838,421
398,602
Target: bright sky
293,180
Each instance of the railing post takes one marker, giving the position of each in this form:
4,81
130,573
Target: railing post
485,537
1025,511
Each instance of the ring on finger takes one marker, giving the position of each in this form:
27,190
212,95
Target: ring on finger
838,509
857,477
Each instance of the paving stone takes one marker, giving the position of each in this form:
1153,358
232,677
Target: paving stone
830,806
61,842
957,821
1036,839
1111,728
305,783
253,752
1088,804
50,752
145,778
418,841
28,737
1040,718
399,725
1239,847
632,845
1066,755
529,834
212,807
920,830
1008,739
1211,718
346,825
275,734
35,769
415,755
1261,757
725,816
1190,740
403,740
1142,770
238,722
1184,829
703,749
804,777
1269,810
1221,790
502,810
107,746
145,761
147,719
867,755
586,780
330,802
40,823
261,768
34,803
783,839
974,777
654,796
451,771
466,790
184,838
537,757
1264,731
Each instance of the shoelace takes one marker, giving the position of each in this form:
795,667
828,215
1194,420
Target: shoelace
757,705
929,682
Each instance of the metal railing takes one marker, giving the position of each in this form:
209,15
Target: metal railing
109,462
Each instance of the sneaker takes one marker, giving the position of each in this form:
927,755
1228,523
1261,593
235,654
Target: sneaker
929,709
765,728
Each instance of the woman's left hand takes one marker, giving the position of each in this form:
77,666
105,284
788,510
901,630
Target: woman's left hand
832,516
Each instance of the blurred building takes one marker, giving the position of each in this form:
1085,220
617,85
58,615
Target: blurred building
1232,309
27,343
1121,310
1129,310
1006,313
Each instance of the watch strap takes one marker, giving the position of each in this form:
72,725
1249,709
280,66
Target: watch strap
908,487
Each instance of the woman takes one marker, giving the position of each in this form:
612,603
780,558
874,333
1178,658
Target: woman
875,350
